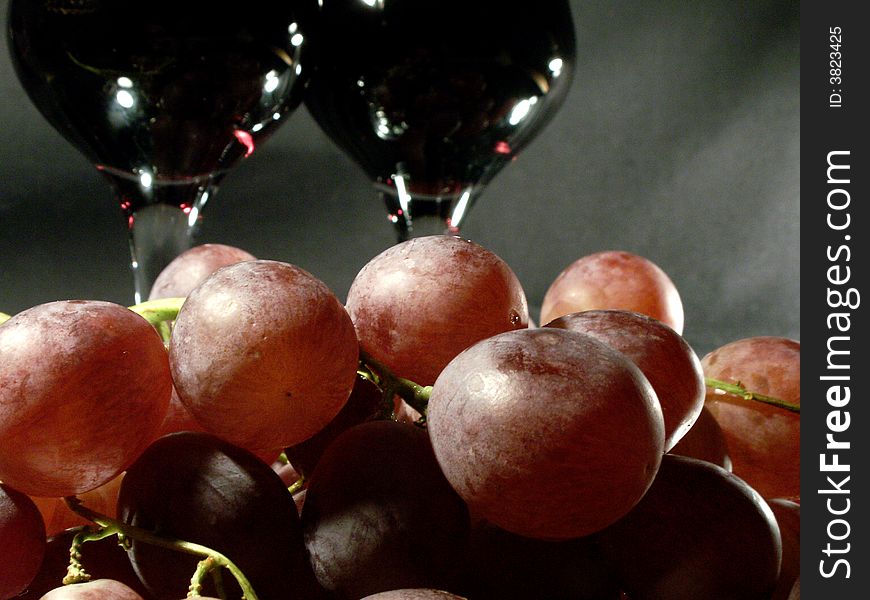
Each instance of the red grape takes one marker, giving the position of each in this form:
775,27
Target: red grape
84,386
763,440
788,517
546,433
263,354
379,515
667,360
22,533
420,303
58,517
699,532
614,279
196,487
795,590
413,594
192,267
705,441
98,589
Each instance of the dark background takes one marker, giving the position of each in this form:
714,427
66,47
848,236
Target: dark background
679,141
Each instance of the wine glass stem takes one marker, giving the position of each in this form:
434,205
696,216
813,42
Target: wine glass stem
157,234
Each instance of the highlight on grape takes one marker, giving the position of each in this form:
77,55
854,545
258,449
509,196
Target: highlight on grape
244,433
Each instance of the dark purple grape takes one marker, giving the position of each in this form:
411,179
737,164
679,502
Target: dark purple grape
699,532
195,487
379,514
505,566
22,533
364,404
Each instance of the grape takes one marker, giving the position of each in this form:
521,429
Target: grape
699,532
763,440
84,386
22,533
192,267
614,279
418,304
788,517
98,589
364,404
413,594
195,487
504,566
103,559
546,433
263,354
667,360
705,441
379,515
58,517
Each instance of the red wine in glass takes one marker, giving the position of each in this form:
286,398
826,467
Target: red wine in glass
433,97
164,97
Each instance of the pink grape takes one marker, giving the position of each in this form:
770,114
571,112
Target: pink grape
614,279
413,594
22,532
705,441
763,440
263,354
420,303
98,589
84,386
546,433
788,517
192,267
666,359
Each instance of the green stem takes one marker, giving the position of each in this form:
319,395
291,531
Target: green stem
738,390
112,526
416,395
297,485
4,317
160,313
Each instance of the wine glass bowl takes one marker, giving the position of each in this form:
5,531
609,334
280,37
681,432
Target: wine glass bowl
432,98
163,98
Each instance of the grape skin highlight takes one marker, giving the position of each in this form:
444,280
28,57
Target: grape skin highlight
546,433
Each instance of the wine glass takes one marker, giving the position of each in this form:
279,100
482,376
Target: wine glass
164,97
433,97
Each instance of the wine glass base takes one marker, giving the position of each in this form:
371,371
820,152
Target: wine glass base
418,215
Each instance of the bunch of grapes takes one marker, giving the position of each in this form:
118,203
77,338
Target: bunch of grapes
244,433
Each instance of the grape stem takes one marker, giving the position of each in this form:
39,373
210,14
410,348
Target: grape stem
160,313
739,390
416,395
212,559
